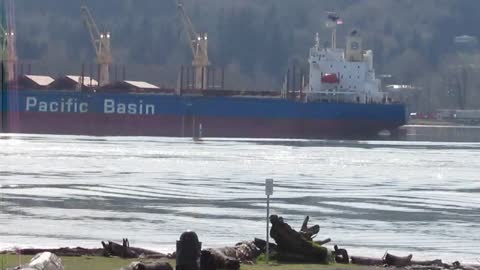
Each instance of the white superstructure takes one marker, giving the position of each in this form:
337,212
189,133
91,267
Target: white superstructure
343,75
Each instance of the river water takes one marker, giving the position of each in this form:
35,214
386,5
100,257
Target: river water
369,197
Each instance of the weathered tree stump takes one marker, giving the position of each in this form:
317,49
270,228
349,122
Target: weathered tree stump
309,232
341,255
296,246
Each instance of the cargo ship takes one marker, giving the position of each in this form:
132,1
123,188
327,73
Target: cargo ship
339,97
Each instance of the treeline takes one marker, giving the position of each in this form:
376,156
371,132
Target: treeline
256,41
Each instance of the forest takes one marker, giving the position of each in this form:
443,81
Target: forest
431,45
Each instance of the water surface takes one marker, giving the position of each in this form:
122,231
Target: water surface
369,197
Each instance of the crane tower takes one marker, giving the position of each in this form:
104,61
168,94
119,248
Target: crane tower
199,46
8,39
101,44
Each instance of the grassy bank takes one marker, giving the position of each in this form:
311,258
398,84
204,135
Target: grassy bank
71,263
101,263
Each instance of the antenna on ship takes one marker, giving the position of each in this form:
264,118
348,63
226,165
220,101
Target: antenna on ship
317,41
332,22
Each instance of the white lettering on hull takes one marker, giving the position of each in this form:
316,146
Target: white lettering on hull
69,105
112,107
73,105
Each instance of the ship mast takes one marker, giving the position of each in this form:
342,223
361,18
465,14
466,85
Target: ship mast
333,21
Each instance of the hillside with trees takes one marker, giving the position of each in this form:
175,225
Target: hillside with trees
256,41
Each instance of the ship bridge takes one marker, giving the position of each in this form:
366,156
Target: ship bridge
343,75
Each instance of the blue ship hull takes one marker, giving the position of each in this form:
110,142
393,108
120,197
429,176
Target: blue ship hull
134,114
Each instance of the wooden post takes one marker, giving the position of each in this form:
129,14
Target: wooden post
188,78
91,75
194,128
182,69
98,76
294,81
203,79
207,85
192,78
3,111
82,78
214,70
302,84
288,83
223,78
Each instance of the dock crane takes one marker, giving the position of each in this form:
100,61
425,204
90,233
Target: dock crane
101,44
8,40
199,46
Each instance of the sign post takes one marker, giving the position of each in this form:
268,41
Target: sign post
268,192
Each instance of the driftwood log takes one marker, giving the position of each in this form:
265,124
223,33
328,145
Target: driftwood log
125,251
149,266
367,261
397,261
213,259
458,265
262,245
229,257
392,260
388,259
298,246
428,263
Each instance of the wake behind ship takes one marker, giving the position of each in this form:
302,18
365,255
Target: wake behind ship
342,99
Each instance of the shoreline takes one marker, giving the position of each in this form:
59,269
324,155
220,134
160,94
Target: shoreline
359,251
69,251
10,260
